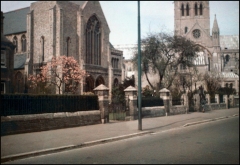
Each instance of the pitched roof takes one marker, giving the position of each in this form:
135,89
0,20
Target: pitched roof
19,61
15,21
229,41
80,3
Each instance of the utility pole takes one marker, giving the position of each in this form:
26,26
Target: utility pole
139,74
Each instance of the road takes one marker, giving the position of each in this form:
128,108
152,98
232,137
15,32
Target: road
214,142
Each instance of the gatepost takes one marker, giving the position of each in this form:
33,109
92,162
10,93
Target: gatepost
225,98
102,92
208,99
164,94
217,98
131,94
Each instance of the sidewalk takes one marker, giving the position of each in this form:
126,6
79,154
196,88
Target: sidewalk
37,143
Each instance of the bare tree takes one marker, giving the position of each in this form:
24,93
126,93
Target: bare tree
162,53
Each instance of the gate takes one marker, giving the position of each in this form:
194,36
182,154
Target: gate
119,110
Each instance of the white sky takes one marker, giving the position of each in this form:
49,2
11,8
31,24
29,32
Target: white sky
155,17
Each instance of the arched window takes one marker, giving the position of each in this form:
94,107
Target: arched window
24,43
42,47
115,83
93,41
186,29
196,9
227,58
182,9
68,45
187,10
15,42
201,9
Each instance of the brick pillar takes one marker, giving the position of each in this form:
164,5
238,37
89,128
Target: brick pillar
197,102
164,94
131,94
103,101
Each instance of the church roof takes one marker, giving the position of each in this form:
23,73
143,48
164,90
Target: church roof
15,21
229,75
80,3
19,61
229,41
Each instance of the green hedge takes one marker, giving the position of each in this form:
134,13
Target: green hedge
151,101
20,104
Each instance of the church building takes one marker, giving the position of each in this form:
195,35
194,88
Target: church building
220,53
49,29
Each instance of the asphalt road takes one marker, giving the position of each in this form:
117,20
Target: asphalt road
214,142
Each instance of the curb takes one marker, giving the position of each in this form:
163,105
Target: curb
59,149
209,120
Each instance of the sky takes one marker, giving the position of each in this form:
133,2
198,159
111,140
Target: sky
156,16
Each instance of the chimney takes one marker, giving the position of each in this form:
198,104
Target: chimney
2,17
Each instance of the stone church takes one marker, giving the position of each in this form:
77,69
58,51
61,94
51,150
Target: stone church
49,29
220,52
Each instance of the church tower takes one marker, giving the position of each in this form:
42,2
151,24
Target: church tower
192,20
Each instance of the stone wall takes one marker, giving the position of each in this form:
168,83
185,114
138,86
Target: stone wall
153,111
48,121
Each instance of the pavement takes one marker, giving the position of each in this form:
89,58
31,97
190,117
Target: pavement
25,145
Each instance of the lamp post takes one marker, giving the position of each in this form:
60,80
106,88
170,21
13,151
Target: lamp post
139,74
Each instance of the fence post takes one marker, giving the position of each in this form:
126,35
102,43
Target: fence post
103,101
131,94
164,94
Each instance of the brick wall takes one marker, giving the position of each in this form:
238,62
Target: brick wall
49,121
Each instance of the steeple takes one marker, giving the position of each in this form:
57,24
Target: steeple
215,25
215,33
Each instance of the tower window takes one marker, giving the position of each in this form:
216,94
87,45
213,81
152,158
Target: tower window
182,8
187,9
186,29
201,9
196,9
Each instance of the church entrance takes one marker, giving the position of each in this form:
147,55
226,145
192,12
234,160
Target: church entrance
89,84
99,81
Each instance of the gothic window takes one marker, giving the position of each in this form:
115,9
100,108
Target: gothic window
3,58
68,45
15,42
186,29
196,9
2,87
42,47
115,83
187,10
200,10
227,58
182,8
93,41
24,43
196,33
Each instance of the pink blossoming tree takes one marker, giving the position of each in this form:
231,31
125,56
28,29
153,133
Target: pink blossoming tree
61,71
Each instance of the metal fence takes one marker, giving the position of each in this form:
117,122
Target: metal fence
21,104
